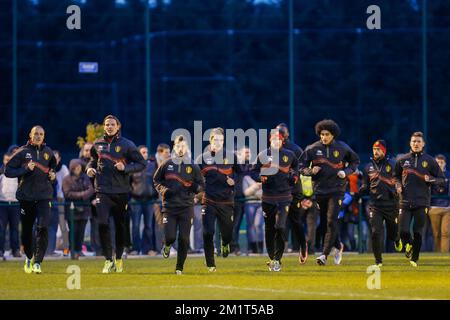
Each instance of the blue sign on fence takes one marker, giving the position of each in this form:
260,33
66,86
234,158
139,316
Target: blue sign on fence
88,67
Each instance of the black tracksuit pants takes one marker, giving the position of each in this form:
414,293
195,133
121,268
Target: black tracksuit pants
310,217
178,219
237,220
275,215
405,217
30,211
296,224
329,207
378,214
79,227
224,214
116,206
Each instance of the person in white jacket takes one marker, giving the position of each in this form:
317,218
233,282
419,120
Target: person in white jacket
58,218
254,215
9,211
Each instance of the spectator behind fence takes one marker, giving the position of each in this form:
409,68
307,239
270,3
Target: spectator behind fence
440,210
254,215
243,156
61,172
85,157
142,193
162,154
85,154
9,213
77,187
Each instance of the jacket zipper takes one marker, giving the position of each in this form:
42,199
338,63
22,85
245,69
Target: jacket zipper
416,161
38,154
328,152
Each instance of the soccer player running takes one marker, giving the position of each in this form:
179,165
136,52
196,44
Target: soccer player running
178,179
278,173
415,172
329,162
34,164
217,166
379,183
113,159
295,208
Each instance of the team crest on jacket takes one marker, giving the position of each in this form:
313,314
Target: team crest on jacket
336,153
285,158
388,168
46,156
188,169
424,164
117,149
225,161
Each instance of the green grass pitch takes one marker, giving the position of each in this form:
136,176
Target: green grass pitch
236,278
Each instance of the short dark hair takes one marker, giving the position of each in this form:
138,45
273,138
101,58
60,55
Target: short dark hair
441,157
110,116
141,147
418,134
163,146
329,125
283,129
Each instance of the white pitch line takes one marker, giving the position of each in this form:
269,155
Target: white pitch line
210,286
319,293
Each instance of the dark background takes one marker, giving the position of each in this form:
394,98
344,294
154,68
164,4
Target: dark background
226,62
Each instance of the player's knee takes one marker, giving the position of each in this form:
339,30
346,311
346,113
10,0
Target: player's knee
282,232
375,234
331,225
103,227
184,241
170,240
208,235
404,234
42,230
418,236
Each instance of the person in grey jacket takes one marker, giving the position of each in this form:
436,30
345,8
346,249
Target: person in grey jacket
77,188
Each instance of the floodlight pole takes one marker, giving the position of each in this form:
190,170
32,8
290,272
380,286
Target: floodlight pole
147,79
291,71
424,71
14,75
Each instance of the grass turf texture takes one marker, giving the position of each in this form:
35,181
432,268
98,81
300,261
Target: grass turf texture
236,278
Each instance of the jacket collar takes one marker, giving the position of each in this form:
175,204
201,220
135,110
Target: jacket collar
110,139
327,145
416,153
178,160
382,160
29,144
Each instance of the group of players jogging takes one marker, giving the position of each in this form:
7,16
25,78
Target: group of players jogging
399,192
